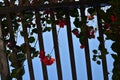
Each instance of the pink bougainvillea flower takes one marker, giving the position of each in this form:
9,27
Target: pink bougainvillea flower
91,33
45,60
82,46
10,45
90,17
113,18
51,61
106,25
93,36
41,54
75,32
46,12
48,60
61,23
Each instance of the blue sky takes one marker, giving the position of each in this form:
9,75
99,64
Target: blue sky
64,54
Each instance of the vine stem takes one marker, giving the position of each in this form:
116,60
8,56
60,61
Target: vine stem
53,46
36,42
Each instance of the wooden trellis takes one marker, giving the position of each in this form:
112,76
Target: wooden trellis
10,8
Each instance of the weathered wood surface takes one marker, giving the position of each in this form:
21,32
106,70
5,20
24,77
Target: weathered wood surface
3,59
16,9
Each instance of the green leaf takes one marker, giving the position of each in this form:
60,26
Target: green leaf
116,47
18,72
11,57
48,21
59,13
94,57
95,51
74,13
13,74
31,39
21,71
16,25
8,52
91,10
34,31
21,57
98,62
100,56
18,48
99,38
28,16
102,49
22,47
1,4
21,33
32,49
47,29
114,56
12,64
35,54
81,40
103,15
4,23
77,22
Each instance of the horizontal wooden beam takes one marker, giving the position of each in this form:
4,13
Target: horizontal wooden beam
77,4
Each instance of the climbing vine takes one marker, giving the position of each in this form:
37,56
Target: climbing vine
112,32
110,20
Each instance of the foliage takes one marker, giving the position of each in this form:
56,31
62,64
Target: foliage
110,21
113,33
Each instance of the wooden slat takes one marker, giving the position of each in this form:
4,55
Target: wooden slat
27,46
16,9
12,3
41,44
56,47
13,42
102,44
70,44
4,66
12,39
69,0
86,44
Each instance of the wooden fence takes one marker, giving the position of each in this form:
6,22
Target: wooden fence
10,8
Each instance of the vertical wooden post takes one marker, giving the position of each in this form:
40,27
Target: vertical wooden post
56,47
4,71
87,53
70,43
41,44
27,46
12,37
101,37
